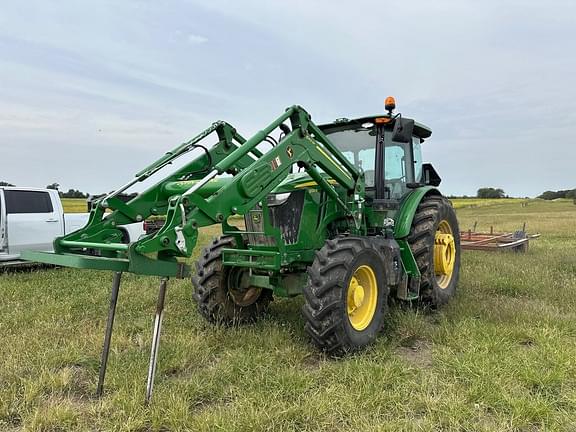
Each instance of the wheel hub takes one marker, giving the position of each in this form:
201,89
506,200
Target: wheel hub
239,288
444,254
356,295
362,297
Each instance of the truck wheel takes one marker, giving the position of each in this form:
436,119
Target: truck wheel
435,242
346,295
223,293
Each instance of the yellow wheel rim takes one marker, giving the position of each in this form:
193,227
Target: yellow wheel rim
362,297
444,254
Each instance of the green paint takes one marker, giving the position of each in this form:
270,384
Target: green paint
409,205
408,260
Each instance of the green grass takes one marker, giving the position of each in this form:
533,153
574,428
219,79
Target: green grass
501,356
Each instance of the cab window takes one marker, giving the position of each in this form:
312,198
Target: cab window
398,170
417,159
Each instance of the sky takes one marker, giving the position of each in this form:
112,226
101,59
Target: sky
91,92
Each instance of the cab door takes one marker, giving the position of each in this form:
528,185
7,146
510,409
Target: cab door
32,220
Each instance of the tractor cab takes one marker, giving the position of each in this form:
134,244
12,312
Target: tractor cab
388,149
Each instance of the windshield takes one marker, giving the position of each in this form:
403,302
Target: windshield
359,147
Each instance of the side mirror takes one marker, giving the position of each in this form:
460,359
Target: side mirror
403,129
429,175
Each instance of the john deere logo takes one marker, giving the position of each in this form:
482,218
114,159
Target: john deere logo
256,217
289,152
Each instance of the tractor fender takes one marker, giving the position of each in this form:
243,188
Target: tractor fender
408,209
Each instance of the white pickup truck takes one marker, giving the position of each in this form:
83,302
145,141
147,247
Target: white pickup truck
30,219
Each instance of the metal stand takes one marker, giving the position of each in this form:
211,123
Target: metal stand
155,336
108,334
155,339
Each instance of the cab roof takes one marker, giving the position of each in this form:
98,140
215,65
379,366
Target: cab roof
420,130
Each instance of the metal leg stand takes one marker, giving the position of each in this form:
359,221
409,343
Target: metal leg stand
156,339
108,334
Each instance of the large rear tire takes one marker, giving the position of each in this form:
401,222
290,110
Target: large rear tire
346,295
223,293
435,242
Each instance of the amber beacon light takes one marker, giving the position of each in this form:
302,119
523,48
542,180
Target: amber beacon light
390,104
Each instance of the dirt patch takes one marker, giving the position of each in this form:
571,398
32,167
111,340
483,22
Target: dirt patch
418,354
77,382
312,360
184,371
527,343
207,402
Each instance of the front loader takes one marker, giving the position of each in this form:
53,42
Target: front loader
344,213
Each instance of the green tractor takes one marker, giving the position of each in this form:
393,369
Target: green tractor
345,213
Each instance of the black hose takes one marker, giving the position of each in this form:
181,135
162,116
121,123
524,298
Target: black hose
208,165
284,128
271,140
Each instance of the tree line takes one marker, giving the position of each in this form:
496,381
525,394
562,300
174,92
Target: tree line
552,195
72,193
490,192
484,192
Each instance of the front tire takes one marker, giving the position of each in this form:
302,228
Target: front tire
223,293
435,242
346,295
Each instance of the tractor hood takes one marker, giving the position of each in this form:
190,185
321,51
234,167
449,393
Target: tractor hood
292,182
298,181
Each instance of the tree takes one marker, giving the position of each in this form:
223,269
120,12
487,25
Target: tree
54,186
489,192
73,193
552,195
3,183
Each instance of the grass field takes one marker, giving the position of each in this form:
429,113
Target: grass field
459,203
74,205
500,357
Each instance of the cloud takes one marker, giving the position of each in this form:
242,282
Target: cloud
195,39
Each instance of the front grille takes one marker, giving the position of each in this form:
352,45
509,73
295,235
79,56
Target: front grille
285,216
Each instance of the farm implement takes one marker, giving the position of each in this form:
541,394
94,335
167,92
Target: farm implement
516,241
344,213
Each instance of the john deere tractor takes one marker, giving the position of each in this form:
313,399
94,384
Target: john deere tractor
345,213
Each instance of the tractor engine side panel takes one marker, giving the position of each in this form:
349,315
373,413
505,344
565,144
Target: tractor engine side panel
283,214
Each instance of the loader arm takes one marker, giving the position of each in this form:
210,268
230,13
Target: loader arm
189,211
190,200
